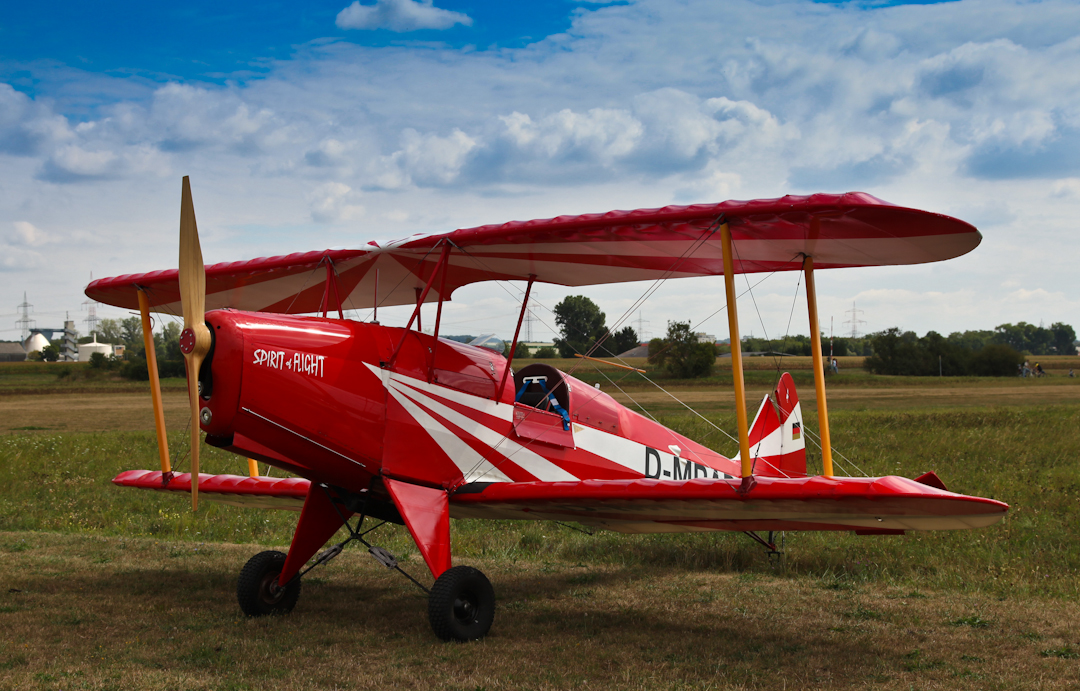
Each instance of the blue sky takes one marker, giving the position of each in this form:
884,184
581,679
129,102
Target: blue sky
211,41
319,124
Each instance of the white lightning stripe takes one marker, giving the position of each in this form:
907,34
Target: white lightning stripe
464,456
482,405
538,466
629,454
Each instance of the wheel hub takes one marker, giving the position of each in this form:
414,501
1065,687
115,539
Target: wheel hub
465,608
269,590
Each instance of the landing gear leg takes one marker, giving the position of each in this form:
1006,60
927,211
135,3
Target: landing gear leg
461,605
774,552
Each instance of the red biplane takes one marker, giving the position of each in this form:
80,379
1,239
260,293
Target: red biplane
397,425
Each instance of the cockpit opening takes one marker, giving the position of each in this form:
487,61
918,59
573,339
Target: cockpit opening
543,387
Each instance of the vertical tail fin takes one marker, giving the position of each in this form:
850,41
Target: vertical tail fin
776,436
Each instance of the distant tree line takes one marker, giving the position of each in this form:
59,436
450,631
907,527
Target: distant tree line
1025,338
582,324
134,365
904,353
800,345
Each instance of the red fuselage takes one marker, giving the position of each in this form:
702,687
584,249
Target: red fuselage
328,399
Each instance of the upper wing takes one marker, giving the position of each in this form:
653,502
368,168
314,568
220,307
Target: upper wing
257,492
884,504
853,229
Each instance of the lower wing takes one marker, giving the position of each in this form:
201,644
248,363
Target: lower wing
884,505
256,492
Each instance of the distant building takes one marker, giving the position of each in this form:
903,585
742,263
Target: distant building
12,352
86,350
534,346
35,343
640,350
703,337
43,337
69,351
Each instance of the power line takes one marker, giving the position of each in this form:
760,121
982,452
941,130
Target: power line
529,319
641,324
854,321
92,320
25,322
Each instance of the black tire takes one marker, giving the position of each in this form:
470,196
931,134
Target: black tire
253,590
461,606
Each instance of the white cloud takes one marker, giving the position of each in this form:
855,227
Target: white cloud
399,16
600,134
26,126
1069,187
25,233
424,159
20,259
331,203
183,118
16,253
969,108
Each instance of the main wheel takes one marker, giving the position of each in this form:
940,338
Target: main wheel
461,606
257,591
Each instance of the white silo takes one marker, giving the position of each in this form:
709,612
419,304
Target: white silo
34,344
88,349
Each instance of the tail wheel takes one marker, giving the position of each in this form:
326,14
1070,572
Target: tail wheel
257,590
461,606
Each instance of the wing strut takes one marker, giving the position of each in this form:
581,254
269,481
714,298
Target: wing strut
819,369
736,353
331,287
517,332
155,384
438,322
444,260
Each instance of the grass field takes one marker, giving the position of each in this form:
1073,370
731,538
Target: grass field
103,588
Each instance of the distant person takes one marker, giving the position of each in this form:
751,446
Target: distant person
1071,375
1039,370
835,366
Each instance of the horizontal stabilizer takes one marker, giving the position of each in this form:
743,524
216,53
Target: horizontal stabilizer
236,490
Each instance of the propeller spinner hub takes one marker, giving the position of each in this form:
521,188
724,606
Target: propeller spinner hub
187,341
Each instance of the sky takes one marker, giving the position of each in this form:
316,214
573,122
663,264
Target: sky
309,125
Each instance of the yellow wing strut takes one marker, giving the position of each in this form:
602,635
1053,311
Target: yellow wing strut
736,353
819,369
155,383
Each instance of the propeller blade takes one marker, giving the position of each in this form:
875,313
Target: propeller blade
195,339
194,363
192,274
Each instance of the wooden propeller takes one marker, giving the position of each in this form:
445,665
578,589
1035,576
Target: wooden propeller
195,338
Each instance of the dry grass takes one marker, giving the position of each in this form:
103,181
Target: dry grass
90,606
113,613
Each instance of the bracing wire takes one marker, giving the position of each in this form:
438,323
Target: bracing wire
657,283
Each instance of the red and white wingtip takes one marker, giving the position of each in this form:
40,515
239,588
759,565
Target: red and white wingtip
777,443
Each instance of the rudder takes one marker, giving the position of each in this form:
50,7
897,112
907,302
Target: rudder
777,445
